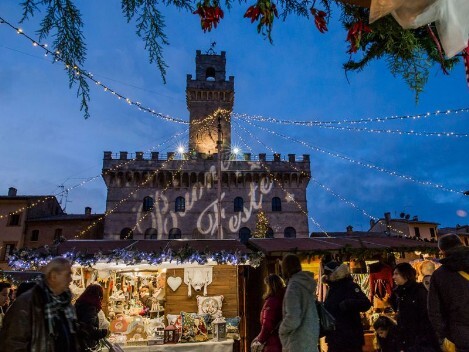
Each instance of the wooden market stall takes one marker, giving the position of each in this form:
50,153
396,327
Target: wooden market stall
365,248
163,291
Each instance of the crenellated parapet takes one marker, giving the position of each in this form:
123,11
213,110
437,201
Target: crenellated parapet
175,170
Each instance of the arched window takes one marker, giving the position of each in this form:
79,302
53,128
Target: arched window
238,204
148,204
174,234
289,232
151,234
180,205
269,233
276,204
244,234
210,74
126,234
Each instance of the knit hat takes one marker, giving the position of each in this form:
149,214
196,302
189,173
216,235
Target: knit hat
449,241
331,267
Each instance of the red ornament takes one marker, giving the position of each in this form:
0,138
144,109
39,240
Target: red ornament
355,34
319,19
210,14
263,11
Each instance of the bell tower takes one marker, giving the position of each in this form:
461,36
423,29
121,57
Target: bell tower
207,93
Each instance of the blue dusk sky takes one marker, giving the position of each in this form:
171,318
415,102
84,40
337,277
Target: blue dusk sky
46,143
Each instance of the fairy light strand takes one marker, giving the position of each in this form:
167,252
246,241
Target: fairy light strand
358,162
265,167
310,123
82,183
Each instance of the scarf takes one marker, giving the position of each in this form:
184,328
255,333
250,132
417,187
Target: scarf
54,305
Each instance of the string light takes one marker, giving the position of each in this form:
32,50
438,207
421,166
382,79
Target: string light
260,118
279,183
82,183
89,75
358,162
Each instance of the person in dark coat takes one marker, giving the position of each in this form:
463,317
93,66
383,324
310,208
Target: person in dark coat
448,297
409,301
386,334
271,314
43,318
88,306
345,300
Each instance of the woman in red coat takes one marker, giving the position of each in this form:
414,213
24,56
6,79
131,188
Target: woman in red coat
271,314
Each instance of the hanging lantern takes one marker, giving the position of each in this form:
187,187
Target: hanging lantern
171,334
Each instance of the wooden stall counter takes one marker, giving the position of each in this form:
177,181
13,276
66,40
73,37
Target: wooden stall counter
209,346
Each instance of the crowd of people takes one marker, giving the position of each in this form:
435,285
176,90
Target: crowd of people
428,319
43,319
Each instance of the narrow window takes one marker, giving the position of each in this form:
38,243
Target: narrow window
174,234
57,234
151,234
269,233
9,248
244,235
148,204
180,205
289,232
432,232
417,232
238,204
276,204
35,235
126,234
14,220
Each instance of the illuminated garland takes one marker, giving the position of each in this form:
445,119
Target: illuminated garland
42,200
33,259
311,123
279,183
358,162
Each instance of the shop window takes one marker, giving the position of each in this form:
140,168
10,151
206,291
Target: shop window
238,204
126,234
34,235
174,234
244,235
432,232
417,232
269,233
276,204
180,205
151,234
148,204
289,232
14,219
57,234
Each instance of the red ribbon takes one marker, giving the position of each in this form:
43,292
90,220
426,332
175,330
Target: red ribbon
438,46
465,55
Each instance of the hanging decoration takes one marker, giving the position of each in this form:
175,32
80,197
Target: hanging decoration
263,11
32,259
174,282
210,14
198,279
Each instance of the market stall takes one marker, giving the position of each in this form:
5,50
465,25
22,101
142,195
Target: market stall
371,258
162,295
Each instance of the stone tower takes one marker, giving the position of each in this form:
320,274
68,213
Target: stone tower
170,196
207,93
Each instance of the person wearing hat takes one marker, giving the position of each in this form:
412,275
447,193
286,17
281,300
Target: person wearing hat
345,300
448,296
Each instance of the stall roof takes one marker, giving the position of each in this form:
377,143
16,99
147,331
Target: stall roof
277,246
103,246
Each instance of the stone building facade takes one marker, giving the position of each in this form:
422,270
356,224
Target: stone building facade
158,197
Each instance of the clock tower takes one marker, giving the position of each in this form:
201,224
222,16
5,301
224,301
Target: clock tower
208,93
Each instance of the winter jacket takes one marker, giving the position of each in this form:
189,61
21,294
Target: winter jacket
345,300
271,316
25,328
299,330
448,299
89,332
415,332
